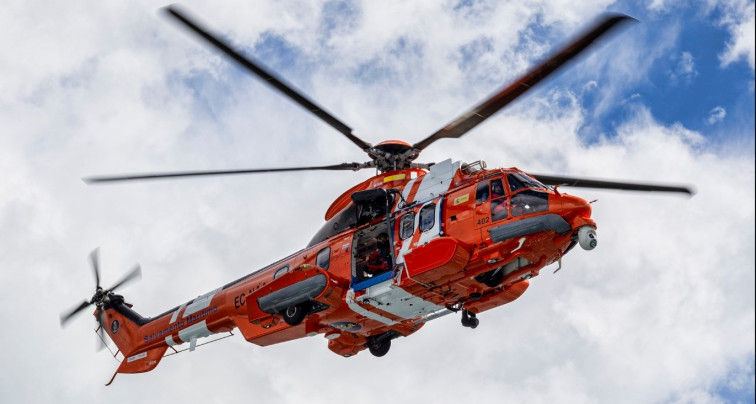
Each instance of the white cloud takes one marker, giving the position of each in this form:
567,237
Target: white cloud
661,310
739,20
685,67
716,115
737,16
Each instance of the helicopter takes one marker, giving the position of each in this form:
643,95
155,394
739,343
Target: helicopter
413,243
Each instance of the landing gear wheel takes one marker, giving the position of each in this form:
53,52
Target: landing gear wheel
295,314
379,347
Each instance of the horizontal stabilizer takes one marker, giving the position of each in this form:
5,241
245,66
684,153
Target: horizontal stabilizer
140,362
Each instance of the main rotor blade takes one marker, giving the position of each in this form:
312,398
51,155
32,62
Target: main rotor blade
603,184
64,318
506,95
136,177
135,273
268,77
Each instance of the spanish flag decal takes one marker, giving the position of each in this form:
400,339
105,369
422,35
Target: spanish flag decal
396,177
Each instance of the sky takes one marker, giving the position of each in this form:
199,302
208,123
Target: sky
662,311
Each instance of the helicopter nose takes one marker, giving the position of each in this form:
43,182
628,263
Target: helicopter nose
573,206
577,211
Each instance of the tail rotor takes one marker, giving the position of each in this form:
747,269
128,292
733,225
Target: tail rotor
101,296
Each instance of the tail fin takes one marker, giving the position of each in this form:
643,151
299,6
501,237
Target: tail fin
122,324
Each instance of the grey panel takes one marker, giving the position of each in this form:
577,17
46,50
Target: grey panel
300,292
530,225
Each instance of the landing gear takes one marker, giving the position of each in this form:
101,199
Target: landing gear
295,314
379,345
469,319
379,348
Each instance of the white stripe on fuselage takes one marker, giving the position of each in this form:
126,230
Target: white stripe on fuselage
200,303
408,188
176,314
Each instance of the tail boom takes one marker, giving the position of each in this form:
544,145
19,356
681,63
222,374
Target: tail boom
144,341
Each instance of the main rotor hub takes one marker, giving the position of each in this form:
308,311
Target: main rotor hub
392,155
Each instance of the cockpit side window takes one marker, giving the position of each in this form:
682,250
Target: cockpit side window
514,183
519,181
499,202
497,189
481,194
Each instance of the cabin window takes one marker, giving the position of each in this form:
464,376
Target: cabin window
324,258
481,194
280,271
407,226
427,217
529,201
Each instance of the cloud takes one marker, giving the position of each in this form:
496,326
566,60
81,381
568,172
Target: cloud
685,68
716,115
736,16
739,21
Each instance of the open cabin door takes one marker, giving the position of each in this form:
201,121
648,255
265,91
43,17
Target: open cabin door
372,258
372,246
380,296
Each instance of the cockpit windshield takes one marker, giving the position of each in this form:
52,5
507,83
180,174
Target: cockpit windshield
518,181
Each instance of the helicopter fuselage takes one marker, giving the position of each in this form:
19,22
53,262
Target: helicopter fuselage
459,238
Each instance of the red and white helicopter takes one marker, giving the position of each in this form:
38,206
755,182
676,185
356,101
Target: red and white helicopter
411,244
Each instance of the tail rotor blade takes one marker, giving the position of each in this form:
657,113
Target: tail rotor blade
101,329
135,273
65,318
94,257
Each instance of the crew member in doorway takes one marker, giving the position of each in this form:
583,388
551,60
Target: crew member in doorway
379,261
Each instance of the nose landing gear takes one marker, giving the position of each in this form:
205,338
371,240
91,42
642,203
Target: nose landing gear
469,319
